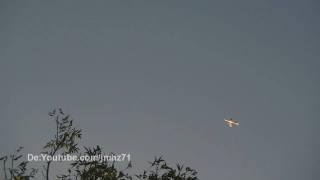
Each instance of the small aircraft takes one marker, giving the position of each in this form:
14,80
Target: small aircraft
231,122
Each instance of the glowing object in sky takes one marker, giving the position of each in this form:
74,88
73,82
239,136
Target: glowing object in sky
231,123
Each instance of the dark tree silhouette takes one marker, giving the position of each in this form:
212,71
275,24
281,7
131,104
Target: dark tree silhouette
65,142
14,168
65,139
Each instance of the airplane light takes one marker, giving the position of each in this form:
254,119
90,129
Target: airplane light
231,123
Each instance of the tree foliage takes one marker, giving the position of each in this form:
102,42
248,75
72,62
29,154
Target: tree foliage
65,141
16,169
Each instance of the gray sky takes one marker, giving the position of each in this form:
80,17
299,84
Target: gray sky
157,78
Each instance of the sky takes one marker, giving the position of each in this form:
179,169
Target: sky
158,78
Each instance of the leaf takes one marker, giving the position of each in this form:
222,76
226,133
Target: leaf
17,158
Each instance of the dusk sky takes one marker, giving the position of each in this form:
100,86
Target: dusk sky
158,78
